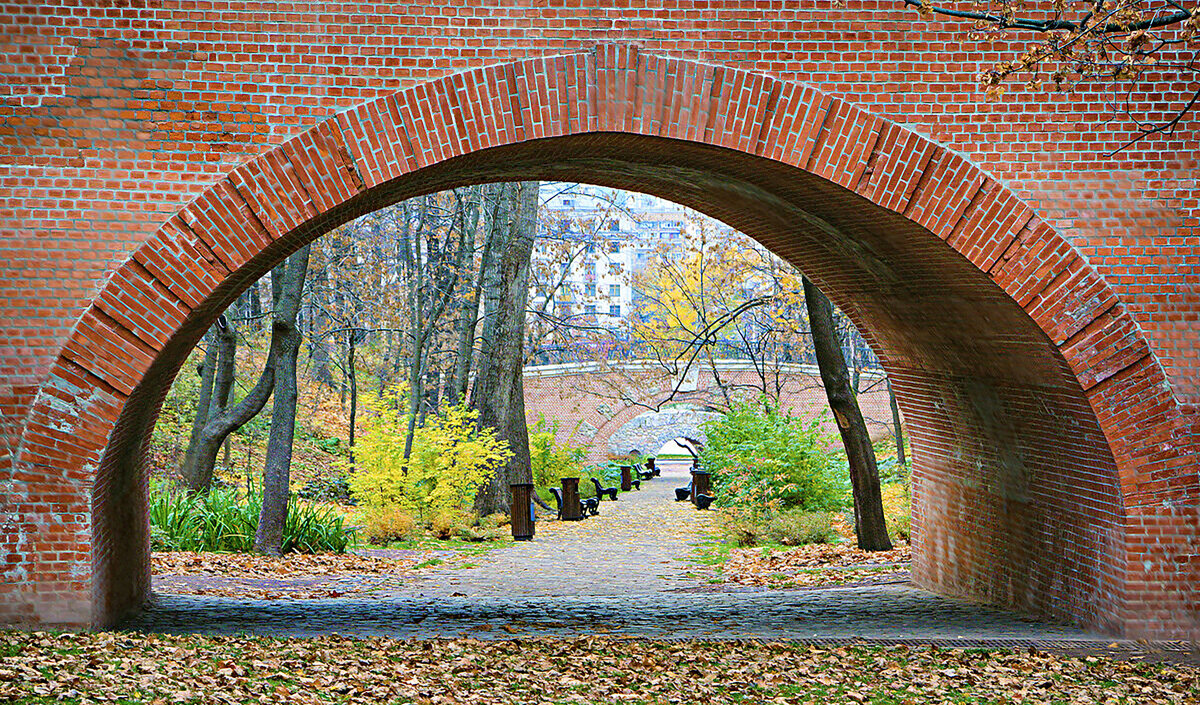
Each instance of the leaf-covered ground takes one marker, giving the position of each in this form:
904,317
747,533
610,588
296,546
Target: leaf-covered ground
813,565
293,576
132,668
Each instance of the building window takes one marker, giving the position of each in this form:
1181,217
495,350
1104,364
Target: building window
590,309
615,310
614,289
614,224
614,247
589,289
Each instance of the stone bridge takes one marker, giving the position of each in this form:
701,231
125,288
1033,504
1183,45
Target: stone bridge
1035,302
616,408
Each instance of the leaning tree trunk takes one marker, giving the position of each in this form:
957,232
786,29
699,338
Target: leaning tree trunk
277,469
499,392
201,458
898,430
198,469
869,523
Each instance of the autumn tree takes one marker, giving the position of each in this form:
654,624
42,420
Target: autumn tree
499,392
1126,44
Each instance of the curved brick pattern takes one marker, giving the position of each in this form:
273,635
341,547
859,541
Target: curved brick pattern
1051,400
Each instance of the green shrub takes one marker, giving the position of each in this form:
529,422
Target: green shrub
741,526
223,521
796,528
747,527
550,459
326,489
765,460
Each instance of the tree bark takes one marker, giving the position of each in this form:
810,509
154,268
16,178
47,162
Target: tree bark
898,430
499,393
869,523
352,345
200,460
208,374
272,516
198,476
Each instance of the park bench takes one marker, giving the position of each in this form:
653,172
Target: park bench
703,501
601,491
589,506
557,501
643,475
683,493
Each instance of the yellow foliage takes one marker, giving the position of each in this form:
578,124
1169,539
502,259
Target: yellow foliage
450,459
388,524
897,510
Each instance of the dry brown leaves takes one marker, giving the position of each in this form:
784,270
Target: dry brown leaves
814,565
91,668
246,565
293,576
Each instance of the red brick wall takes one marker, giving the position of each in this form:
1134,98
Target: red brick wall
1036,301
607,399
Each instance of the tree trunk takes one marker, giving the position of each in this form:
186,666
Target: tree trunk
198,475
352,345
277,467
200,460
898,430
869,523
468,312
208,374
499,392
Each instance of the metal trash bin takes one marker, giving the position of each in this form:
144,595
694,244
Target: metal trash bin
522,511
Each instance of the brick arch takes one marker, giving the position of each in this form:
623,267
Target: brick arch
1041,421
657,436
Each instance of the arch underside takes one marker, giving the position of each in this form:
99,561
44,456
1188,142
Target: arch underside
1017,498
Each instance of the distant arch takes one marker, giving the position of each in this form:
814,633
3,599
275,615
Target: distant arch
649,431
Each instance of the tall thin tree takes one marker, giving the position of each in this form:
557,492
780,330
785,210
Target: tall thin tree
869,522
285,342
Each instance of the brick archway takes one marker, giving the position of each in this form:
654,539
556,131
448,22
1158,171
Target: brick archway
1042,425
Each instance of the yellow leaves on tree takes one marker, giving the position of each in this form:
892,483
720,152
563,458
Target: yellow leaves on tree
450,459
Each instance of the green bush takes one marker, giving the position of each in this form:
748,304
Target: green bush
767,461
746,527
796,528
550,459
223,521
326,489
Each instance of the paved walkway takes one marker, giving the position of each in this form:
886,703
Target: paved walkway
623,572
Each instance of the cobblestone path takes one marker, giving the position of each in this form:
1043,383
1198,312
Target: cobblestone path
623,572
